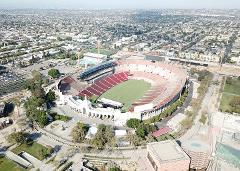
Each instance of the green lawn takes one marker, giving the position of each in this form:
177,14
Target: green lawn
226,98
230,91
8,165
234,88
35,149
127,92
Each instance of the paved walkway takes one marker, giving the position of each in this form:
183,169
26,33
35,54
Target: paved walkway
208,105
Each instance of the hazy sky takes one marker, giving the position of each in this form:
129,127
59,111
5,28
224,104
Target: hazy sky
93,4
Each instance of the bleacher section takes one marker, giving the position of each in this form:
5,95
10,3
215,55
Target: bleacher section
101,86
98,69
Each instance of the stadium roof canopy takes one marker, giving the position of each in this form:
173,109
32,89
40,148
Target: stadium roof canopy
97,68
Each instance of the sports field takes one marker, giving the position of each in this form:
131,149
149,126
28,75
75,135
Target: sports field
230,91
127,92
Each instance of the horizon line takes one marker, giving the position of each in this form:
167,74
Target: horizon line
33,8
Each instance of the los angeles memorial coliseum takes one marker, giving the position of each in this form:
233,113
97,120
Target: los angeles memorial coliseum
124,89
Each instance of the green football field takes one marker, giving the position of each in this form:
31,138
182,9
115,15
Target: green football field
127,92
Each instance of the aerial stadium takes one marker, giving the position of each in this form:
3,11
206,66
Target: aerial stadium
123,89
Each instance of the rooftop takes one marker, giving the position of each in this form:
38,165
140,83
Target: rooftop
166,151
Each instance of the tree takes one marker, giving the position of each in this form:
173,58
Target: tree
134,139
150,138
109,136
103,137
54,73
140,131
99,138
18,137
114,169
42,118
79,132
50,96
133,123
31,106
39,92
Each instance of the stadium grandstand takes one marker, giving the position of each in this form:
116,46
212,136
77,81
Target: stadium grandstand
98,70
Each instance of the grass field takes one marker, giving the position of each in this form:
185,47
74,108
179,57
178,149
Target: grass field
8,165
34,149
230,91
102,51
127,92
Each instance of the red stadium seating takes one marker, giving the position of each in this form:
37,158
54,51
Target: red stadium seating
99,89
101,86
90,89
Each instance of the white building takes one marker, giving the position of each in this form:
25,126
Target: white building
84,107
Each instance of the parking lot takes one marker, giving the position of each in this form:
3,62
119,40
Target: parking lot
11,82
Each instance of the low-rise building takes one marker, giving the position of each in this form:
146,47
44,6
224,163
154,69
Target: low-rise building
167,156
